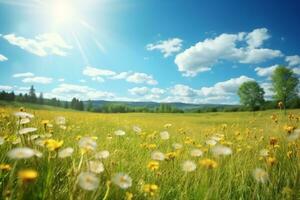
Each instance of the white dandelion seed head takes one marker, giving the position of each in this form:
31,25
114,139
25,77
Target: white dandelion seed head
66,152
164,135
189,166
60,120
23,115
196,153
137,129
211,142
21,153
88,181
102,154
24,131
23,121
264,152
221,150
87,143
177,146
157,155
122,180
96,166
119,132
260,175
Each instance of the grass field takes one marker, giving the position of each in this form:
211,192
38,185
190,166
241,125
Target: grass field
151,156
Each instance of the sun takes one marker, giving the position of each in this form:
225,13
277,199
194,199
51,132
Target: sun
63,12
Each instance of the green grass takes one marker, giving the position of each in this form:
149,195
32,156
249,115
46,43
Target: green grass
245,133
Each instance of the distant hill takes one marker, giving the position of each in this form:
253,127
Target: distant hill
151,105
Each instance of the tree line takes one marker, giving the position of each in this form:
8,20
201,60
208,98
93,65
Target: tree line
285,84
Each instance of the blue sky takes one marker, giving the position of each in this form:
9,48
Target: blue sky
145,50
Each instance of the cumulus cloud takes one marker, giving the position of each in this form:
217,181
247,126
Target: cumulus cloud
3,58
293,60
132,77
141,78
42,45
296,70
166,47
139,91
37,79
145,93
205,54
268,90
265,71
68,91
21,75
5,88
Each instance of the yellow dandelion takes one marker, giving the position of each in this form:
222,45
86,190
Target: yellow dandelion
150,189
153,165
53,145
128,196
271,161
208,163
5,167
27,175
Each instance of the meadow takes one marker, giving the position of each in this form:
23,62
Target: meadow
63,154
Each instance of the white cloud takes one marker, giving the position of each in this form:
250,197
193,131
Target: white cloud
268,90
5,88
61,80
266,71
37,79
122,75
3,58
293,60
22,75
296,70
204,55
42,45
139,91
183,91
157,91
82,81
68,91
166,47
228,87
95,72
257,37
141,78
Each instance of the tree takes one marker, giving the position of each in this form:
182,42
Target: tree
251,95
41,99
285,85
32,95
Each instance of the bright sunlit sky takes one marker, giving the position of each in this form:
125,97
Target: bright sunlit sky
146,50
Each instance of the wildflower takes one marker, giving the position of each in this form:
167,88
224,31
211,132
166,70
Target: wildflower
177,146
157,155
27,175
294,136
208,163
196,153
164,135
271,161
221,150
88,181
33,137
21,153
264,152
170,155
5,167
66,152
128,196
60,120
211,142
189,166
23,115
96,166
167,125
150,189
120,132
37,153
137,129
151,146
260,175
102,154
273,141
122,180
87,143
289,129
27,130
53,145
24,121
153,165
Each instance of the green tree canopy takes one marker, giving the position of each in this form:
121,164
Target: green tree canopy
251,95
285,85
